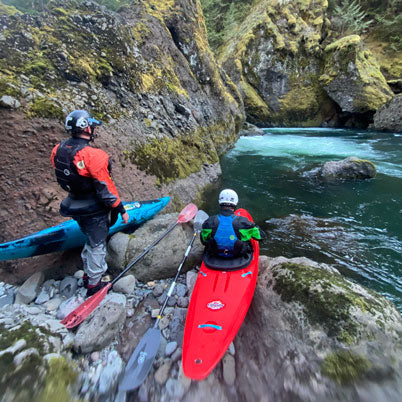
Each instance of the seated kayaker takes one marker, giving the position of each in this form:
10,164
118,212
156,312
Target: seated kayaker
226,235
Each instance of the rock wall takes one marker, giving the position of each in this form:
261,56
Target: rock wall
146,71
279,53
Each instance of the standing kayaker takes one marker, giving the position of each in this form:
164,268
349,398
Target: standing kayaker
93,200
227,235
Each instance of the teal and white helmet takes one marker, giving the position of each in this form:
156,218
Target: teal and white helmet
228,197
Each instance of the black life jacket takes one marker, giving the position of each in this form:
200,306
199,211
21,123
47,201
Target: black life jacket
82,199
66,172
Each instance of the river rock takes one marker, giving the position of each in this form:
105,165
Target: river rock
68,306
53,304
162,374
30,288
158,289
7,298
116,251
25,354
249,129
389,116
176,325
43,296
17,346
170,348
229,369
191,278
125,285
100,328
7,101
165,257
181,290
68,286
349,168
111,373
183,302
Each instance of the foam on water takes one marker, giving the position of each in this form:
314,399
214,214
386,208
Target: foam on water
318,144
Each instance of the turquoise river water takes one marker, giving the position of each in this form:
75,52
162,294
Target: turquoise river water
354,225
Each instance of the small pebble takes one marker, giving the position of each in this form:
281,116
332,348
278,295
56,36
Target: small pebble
170,348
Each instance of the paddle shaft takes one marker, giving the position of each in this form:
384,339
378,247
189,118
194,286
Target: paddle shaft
146,251
172,286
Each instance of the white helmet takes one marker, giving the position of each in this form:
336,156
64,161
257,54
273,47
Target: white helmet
228,197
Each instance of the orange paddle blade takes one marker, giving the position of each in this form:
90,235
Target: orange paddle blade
81,312
187,213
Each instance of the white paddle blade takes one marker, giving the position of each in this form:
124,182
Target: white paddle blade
199,219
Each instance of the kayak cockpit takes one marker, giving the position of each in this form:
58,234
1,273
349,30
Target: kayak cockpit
227,264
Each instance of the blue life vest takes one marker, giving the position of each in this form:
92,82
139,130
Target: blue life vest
225,236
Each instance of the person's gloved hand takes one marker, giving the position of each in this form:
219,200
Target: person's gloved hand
125,217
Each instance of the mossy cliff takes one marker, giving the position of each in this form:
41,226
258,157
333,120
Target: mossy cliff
277,52
272,50
147,71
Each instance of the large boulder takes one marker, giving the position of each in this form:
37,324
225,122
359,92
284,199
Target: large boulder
352,76
389,116
321,337
163,260
349,168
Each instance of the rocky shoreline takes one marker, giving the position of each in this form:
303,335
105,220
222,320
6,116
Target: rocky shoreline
310,334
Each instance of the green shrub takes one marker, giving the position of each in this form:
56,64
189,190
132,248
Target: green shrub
353,18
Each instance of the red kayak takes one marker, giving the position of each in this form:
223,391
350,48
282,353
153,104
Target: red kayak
221,297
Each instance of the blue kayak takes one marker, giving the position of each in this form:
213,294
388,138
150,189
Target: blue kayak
68,234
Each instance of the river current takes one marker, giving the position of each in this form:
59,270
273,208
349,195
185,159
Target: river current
354,225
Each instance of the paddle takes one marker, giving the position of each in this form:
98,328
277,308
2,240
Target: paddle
141,360
86,308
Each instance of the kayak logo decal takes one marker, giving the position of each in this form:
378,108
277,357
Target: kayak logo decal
213,326
132,206
215,305
142,357
247,273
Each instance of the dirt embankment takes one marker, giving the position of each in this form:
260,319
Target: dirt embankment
31,196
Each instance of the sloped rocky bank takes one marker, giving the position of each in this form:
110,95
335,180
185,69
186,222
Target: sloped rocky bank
310,335
147,72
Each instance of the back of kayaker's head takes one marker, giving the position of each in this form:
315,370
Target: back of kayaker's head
81,124
228,198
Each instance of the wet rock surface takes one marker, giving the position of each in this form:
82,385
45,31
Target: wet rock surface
351,168
389,116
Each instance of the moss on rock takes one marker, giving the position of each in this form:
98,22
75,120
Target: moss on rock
335,303
352,76
44,107
60,377
170,159
345,366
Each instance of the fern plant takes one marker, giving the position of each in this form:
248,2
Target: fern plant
353,19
